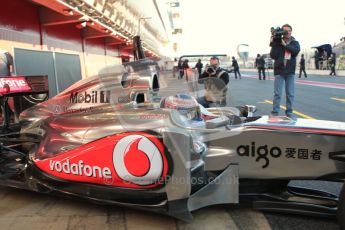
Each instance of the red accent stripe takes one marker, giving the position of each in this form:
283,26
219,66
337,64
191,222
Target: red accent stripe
308,82
306,130
340,85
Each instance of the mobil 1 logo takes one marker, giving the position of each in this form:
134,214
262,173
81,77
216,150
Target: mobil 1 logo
93,97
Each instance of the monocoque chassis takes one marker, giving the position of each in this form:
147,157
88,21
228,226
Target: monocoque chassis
228,160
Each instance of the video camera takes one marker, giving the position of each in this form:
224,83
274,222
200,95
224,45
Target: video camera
277,34
211,69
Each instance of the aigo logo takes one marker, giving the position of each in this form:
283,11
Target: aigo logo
139,159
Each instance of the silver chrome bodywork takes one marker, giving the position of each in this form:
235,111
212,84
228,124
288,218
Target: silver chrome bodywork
258,149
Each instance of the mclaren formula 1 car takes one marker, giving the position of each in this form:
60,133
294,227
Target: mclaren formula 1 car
111,141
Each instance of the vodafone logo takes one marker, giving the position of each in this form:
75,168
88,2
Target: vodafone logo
133,160
137,159
16,84
13,82
79,169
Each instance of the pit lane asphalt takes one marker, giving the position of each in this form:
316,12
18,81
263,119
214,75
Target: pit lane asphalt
28,210
320,97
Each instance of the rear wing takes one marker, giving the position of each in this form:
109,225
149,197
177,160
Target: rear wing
18,87
23,85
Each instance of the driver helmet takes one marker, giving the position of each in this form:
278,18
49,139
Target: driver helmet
185,104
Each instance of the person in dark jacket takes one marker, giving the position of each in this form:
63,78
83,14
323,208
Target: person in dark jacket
6,63
180,69
302,67
284,52
6,69
316,59
185,67
215,81
199,66
236,67
332,63
260,65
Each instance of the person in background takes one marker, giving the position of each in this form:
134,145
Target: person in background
332,63
215,81
6,63
302,67
199,66
284,51
324,55
236,67
316,59
180,69
6,70
260,65
185,67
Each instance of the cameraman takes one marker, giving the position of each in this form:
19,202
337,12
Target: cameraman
284,49
215,81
